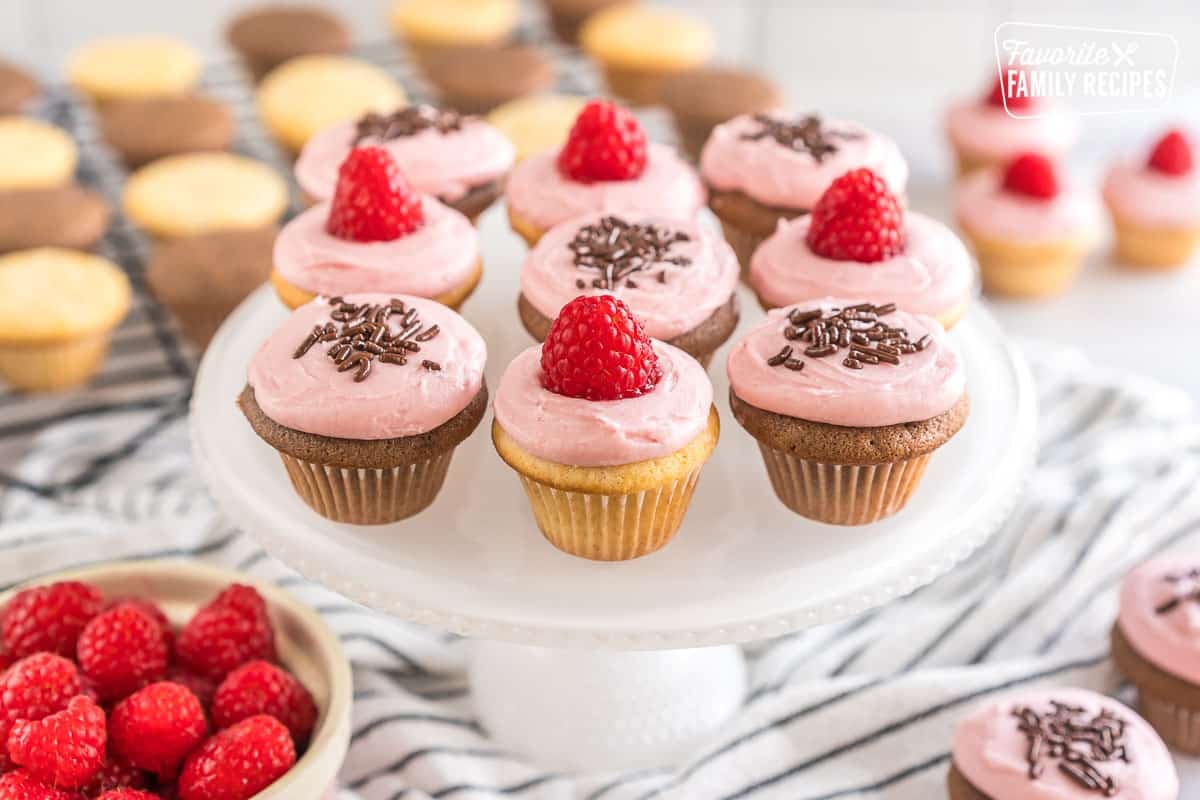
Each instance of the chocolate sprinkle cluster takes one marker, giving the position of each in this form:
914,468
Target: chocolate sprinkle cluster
856,329
617,249
1192,576
407,121
1078,742
359,335
804,135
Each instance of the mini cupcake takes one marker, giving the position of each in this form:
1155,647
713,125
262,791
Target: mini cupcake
1029,230
134,68
605,165
765,168
537,124
267,36
58,309
859,242
639,47
377,235
848,401
461,161
1058,744
142,131
429,26
1156,645
18,89
608,431
366,397
474,80
568,16
984,133
1155,208
35,155
677,277
63,216
701,99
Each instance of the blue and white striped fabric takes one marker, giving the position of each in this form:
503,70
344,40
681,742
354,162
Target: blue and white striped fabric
861,709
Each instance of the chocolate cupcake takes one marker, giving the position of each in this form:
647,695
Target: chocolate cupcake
568,16
365,397
474,80
17,88
701,99
267,36
143,130
63,216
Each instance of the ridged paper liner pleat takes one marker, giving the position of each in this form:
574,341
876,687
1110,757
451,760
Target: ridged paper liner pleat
842,494
1178,725
610,527
49,367
744,243
368,496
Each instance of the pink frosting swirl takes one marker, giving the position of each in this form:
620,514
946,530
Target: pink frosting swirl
687,295
439,256
309,394
923,385
604,433
1169,639
1153,199
933,275
779,176
446,165
984,207
539,193
991,751
988,132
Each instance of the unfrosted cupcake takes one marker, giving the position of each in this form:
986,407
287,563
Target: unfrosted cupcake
1155,207
1029,229
134,67
377,235
537,124
366,397
35,155
678,277
859,242
605,165
761,169
607,430
267,36
568,16
429,26
460,160
1156,645
848,401
701,99
1058,744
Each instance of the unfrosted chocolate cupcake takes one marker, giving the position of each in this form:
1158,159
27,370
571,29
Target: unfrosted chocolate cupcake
475,80
567,16
701,99
62,216
267,36
147,129
17,88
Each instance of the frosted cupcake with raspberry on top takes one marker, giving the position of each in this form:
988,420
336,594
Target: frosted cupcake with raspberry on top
460,160
377,235
761,169
860,242
1155,206
605,165
1028,225
608,431
678,277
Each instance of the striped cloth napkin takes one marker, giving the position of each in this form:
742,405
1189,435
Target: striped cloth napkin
864,708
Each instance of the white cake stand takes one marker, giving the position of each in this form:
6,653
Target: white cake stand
593,665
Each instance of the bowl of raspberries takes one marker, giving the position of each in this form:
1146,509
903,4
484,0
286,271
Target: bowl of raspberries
164,679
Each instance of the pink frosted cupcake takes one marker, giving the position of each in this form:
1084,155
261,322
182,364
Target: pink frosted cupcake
1155,207
677,276
460,160
1156,645
859,242
848,400
377,235
1058,744
761,169
605,165
366,397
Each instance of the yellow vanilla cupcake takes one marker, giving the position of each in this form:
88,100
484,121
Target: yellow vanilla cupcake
58,309
310,93
198,193
536,124
429,25
640,46
34,155
134,68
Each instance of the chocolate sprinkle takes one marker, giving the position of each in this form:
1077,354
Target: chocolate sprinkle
406,122
1190,579
361,336
617,249
804,135
1078,743
858,329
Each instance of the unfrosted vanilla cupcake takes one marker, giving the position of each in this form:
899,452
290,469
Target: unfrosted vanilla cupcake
134,68
537,124
428,26
34,155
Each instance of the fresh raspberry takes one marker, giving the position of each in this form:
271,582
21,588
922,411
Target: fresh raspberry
49,618
238,762
32,689
129,794
155,613
606,143
22,786
1172,155
597,350
857,219
373,201
1015,102
64,750
116,774
231,630
122,650
155,728
263,688
202,687
1031,175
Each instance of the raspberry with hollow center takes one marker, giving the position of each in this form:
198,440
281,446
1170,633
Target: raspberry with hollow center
1172,154
606,143
857,219
1031,175
373,201
597,350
